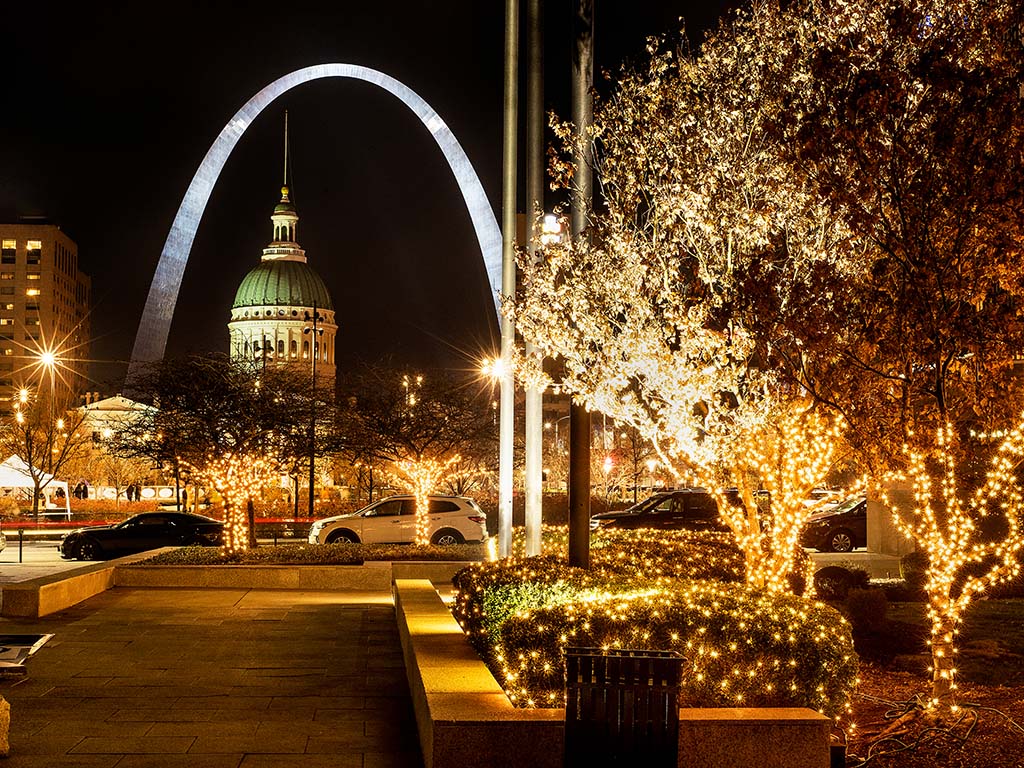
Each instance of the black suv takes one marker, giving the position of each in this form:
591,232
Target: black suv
691,509
838,529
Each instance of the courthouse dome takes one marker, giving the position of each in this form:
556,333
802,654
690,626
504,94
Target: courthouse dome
282,283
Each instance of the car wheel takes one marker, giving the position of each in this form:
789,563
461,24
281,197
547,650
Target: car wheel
840,541
341,537
87,550
447,537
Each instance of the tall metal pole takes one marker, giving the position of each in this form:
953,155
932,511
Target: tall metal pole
535,205
508,275
580,201
312,406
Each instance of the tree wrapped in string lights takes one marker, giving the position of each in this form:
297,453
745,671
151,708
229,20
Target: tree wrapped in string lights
423,476
971,545
670,312
419,426
238,478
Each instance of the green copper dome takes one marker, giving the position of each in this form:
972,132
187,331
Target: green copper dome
281,283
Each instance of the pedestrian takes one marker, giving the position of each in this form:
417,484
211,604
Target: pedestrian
130,492
184,499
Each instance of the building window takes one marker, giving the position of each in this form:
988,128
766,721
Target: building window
8,306
6,275
9,252
8,352
33,251
280,347
305,350
6,321
32,292
295,348
32,305
31,321
33,275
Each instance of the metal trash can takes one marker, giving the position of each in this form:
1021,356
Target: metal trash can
621,708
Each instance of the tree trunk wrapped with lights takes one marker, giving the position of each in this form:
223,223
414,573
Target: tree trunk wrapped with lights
238,479
424,475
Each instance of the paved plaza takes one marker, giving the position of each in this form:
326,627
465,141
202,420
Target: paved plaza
214,678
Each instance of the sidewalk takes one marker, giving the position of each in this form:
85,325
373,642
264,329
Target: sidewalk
215,679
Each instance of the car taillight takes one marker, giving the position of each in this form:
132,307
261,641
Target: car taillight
482,519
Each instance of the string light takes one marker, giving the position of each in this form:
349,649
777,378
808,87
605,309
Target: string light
423,476
743,647
237,478
962,561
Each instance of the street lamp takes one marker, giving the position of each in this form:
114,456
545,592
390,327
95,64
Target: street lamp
314,332
558,443
48,361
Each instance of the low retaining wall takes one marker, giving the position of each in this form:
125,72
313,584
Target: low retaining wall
55,592
463,716
465,719
371,575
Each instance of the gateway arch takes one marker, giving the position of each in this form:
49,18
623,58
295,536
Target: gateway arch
154,328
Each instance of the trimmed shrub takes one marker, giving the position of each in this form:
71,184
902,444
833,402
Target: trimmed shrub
316,554
834,582
488,593
742,647
867,610
913,567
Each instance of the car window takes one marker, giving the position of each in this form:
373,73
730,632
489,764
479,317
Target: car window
437,506
408,506
386,509
665,505
701,505
153,520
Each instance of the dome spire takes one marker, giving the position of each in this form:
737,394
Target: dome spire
285,218
285,182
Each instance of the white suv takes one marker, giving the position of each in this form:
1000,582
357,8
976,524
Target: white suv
453,520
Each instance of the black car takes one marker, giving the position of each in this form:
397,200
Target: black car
689,508
150,530
839,529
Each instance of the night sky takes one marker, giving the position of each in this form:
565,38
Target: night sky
109,109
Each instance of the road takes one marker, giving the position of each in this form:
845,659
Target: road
38,558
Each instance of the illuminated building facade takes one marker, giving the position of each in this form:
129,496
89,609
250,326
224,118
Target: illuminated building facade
44,304
271,318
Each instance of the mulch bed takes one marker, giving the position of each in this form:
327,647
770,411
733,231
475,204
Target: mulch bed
996,739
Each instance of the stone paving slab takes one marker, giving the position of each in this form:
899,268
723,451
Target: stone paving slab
214,678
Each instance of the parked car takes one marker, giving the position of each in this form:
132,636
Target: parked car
823,498
453,520
687,508
149,530
839,529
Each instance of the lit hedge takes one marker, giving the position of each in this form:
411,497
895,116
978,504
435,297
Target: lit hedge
488,593
683,554
742,647
671,590
316,554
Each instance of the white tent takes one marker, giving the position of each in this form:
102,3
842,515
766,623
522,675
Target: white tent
15,473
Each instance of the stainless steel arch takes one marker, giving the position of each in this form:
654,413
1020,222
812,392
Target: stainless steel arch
151,338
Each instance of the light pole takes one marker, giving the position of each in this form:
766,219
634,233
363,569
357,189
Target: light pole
314,333
48,361
555,423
